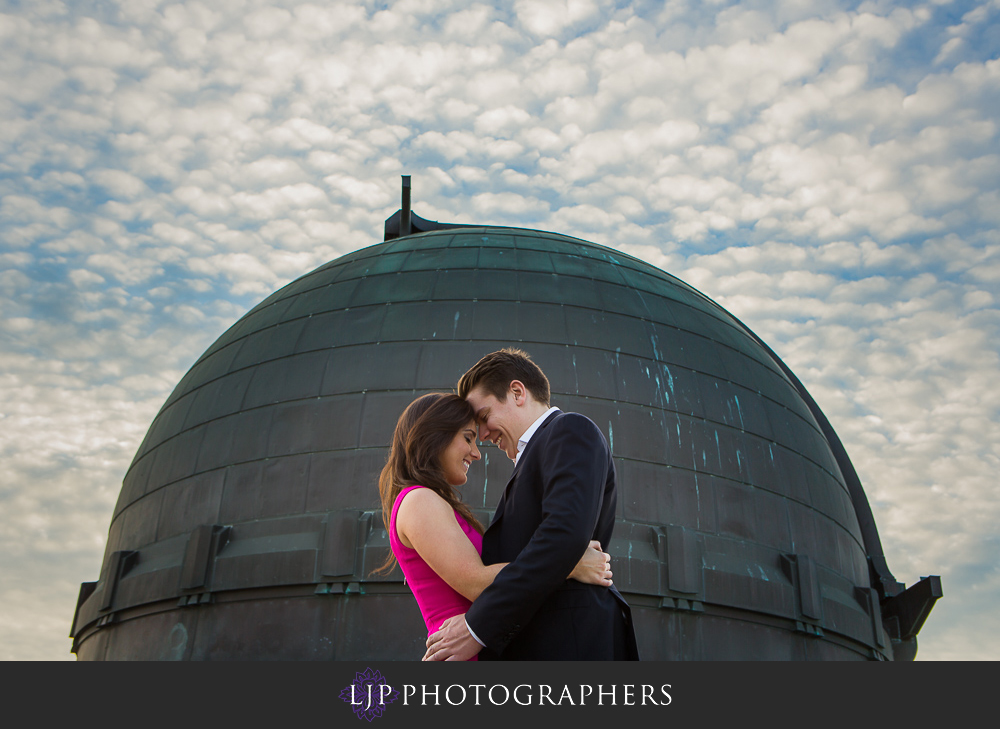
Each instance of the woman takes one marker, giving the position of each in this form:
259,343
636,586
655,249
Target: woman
433,534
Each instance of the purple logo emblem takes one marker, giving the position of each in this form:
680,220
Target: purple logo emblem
369,694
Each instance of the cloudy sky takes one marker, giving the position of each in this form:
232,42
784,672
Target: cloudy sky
827,170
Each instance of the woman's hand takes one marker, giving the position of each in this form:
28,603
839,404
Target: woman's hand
594,567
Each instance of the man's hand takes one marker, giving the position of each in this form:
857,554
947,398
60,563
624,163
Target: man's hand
452,642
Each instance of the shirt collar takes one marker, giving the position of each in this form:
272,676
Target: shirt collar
522,442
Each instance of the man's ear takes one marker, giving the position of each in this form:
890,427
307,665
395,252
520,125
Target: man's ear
519,391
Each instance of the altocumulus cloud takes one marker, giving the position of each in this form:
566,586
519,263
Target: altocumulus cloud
827,171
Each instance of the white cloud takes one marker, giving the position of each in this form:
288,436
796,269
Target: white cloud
550,17
119,183
468,22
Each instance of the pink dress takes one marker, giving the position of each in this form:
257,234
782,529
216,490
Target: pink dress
436,599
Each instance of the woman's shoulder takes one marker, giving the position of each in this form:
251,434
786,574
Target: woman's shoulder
420,498
417,505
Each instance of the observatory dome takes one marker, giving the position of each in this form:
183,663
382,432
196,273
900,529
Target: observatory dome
248,524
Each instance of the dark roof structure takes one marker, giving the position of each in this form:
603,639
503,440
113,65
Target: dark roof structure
248,523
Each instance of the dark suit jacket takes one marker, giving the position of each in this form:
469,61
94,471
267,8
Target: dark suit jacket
559,497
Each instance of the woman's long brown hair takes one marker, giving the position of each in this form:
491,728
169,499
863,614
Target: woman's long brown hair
423,431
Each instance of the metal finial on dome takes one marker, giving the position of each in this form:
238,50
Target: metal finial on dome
404,212
405,222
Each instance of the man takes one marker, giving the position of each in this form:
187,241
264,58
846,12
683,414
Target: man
560,496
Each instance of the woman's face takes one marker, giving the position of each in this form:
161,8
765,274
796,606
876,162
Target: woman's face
459,455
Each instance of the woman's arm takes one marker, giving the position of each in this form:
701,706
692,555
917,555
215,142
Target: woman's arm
426,522
594,567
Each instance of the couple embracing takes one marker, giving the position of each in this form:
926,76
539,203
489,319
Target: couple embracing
535,585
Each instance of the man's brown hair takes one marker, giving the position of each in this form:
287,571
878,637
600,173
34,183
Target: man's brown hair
494,373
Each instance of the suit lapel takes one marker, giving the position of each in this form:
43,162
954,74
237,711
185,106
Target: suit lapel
498,512
520,461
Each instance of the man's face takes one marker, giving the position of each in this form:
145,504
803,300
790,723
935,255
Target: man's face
498,421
